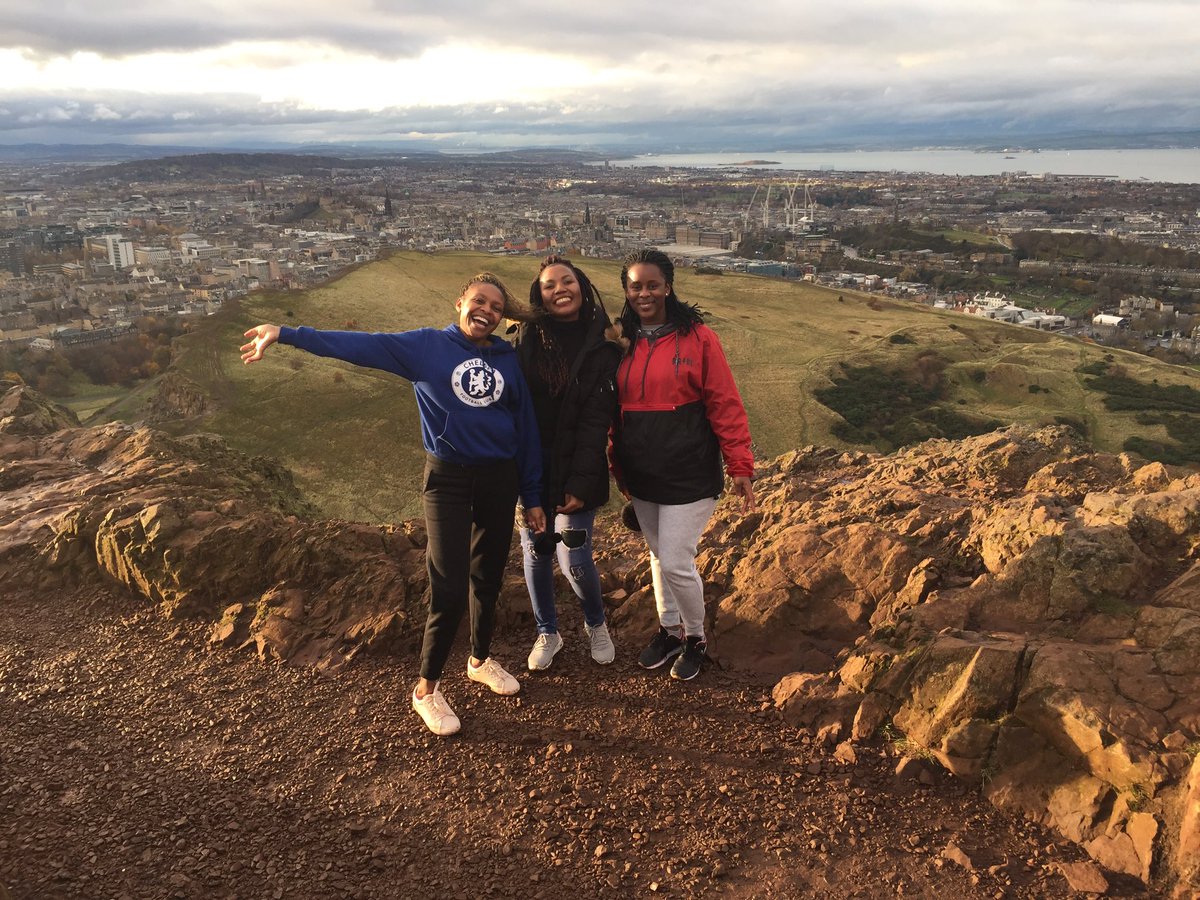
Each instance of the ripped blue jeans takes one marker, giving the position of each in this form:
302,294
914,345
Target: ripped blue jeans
576,564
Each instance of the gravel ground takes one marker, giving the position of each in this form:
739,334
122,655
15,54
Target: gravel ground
136,762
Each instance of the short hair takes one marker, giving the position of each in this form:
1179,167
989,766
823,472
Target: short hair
513,308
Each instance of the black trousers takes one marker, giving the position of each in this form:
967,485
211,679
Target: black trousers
469,519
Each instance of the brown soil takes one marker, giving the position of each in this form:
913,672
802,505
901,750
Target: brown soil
138,763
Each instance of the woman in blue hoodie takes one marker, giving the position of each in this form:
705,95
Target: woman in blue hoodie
480,435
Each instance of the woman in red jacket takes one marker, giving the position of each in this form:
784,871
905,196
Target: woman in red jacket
680,414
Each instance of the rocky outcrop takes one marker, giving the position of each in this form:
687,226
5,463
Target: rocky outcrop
177,398
23,411
200,530
1015,606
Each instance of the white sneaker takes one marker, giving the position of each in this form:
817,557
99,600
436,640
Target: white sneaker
436,712
492,674
603,650
543,651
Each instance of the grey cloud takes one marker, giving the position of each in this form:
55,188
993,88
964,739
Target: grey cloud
855,39
781,119
145,27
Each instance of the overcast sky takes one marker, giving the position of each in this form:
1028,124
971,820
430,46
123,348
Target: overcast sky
770,74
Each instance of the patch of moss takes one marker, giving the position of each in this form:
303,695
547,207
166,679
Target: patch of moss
1174,406
890,408
1096,367
1124,393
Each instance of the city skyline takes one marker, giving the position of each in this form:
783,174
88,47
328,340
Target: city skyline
472,75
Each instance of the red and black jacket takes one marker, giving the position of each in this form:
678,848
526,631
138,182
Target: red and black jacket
680,413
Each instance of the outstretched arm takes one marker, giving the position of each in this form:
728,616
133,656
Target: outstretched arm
261,337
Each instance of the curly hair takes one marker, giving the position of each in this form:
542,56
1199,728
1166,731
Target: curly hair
682,315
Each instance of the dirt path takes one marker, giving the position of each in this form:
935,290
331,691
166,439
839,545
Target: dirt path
137,763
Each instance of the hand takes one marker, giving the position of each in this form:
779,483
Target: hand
535,519
744,488
262,337
573,504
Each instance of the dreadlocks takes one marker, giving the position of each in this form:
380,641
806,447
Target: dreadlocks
682,315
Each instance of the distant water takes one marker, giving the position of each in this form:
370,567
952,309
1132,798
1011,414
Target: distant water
1177,166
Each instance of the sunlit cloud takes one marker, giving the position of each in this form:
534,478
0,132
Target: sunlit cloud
372,70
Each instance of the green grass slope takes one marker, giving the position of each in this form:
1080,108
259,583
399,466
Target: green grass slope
352,436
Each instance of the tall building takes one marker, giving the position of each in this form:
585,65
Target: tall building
12,257
120,251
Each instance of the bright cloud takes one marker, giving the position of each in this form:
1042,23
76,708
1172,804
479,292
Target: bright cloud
362,69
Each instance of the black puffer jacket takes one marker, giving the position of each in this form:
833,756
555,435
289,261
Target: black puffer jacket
575,457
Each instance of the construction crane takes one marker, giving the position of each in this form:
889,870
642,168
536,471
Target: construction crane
749,206
802,215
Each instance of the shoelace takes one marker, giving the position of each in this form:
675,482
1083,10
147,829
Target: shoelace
437,703
492,669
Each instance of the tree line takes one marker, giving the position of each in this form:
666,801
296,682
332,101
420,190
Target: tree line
125,361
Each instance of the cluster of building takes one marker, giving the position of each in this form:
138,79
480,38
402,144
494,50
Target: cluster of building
84,253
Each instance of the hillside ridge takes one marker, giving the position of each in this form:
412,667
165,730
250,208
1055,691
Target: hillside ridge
351,437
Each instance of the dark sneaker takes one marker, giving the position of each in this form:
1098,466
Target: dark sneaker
662,649
687,666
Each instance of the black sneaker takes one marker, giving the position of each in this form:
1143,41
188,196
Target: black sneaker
688,665
662,648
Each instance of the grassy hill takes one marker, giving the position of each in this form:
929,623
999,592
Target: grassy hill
352,437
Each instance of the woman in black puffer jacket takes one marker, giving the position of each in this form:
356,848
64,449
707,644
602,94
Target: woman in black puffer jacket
570,361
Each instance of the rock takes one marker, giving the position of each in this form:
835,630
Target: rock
24,411
959,686
1085,877
872,713
844,752
194,527
956,855
1187,853
909,767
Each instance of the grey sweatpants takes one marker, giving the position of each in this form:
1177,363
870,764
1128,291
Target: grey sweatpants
672,533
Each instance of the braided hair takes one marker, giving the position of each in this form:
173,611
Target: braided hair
682,315
547,355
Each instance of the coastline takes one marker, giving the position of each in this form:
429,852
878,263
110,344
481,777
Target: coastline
1178,166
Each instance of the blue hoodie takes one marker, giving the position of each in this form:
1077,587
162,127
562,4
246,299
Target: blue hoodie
474,404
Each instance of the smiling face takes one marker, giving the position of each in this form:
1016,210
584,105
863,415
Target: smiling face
480,310
646,292
562,296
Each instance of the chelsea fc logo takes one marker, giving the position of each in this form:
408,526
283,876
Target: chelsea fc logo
476,383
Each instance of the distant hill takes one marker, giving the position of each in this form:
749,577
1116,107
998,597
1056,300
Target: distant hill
86,153
223,166
129,162
890,372
249,166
